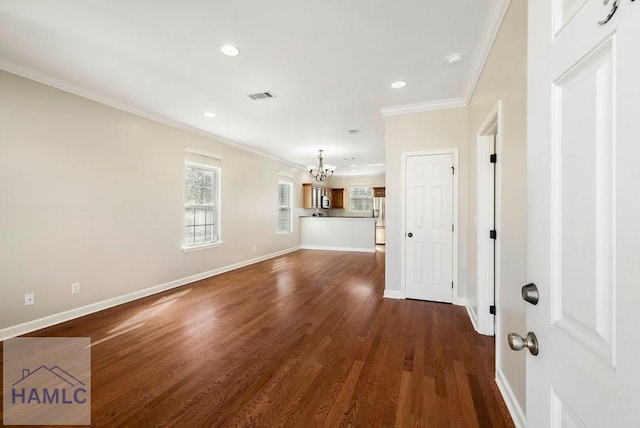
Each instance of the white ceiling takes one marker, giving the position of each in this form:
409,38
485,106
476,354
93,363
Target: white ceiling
329,63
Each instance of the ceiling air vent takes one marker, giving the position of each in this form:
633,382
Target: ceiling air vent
261,95
354,131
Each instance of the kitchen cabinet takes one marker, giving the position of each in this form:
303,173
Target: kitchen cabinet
308,200
379,192
312,195
337,198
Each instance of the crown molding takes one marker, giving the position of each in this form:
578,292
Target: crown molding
486,43
421,107
358,174
27,73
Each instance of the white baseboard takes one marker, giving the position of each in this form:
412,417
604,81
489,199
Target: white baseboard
460,301
397,294
48,321
473,317
392,294
358,250
515,409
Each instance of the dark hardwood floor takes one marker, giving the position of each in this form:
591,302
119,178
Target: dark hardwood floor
302,340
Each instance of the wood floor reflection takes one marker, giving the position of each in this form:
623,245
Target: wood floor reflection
301,340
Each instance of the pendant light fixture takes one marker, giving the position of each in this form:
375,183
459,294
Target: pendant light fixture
321,172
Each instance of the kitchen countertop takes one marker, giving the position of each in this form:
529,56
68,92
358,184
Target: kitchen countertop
333,216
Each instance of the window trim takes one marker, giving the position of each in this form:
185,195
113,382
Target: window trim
213,162
350,206
202,247
290,185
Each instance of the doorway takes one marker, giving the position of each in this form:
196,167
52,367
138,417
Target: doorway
488,223
430,225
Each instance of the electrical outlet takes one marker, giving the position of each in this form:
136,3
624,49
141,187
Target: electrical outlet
29,299
75,288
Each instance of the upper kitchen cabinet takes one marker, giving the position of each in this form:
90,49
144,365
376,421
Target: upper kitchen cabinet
379,192
308,196
312,195
337,198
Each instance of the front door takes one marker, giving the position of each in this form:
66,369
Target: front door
429,227
584,213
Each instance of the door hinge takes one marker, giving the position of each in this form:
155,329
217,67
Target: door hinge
453,170
493,234
451,284
452,228
493,158
492,309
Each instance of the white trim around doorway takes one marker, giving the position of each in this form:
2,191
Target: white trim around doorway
403,191
487,258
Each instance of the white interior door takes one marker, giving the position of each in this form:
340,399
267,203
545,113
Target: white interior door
584,213
429,227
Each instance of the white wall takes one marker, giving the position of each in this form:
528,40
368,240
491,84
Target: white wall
441,129
339,233
345,181
504,78
92,194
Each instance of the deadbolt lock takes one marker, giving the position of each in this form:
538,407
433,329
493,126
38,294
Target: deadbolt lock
530,293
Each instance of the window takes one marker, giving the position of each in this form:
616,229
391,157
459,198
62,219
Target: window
285,223
360,198
201,200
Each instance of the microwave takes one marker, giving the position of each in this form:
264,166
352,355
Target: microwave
325,202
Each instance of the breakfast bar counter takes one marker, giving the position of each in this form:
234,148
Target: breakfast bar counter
338,233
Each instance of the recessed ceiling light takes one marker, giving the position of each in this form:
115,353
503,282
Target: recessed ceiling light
230,50
399,84
209,114
455,58
375,164
353,165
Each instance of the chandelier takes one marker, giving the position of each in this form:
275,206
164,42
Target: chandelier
321,172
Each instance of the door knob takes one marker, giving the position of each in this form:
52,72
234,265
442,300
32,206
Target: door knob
518,343
409,234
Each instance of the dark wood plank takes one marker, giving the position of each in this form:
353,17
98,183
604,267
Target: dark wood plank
302,340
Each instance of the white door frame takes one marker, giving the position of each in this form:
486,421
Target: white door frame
487,209
403,210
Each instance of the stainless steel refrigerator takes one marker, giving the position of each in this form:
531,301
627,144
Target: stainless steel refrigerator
379,214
